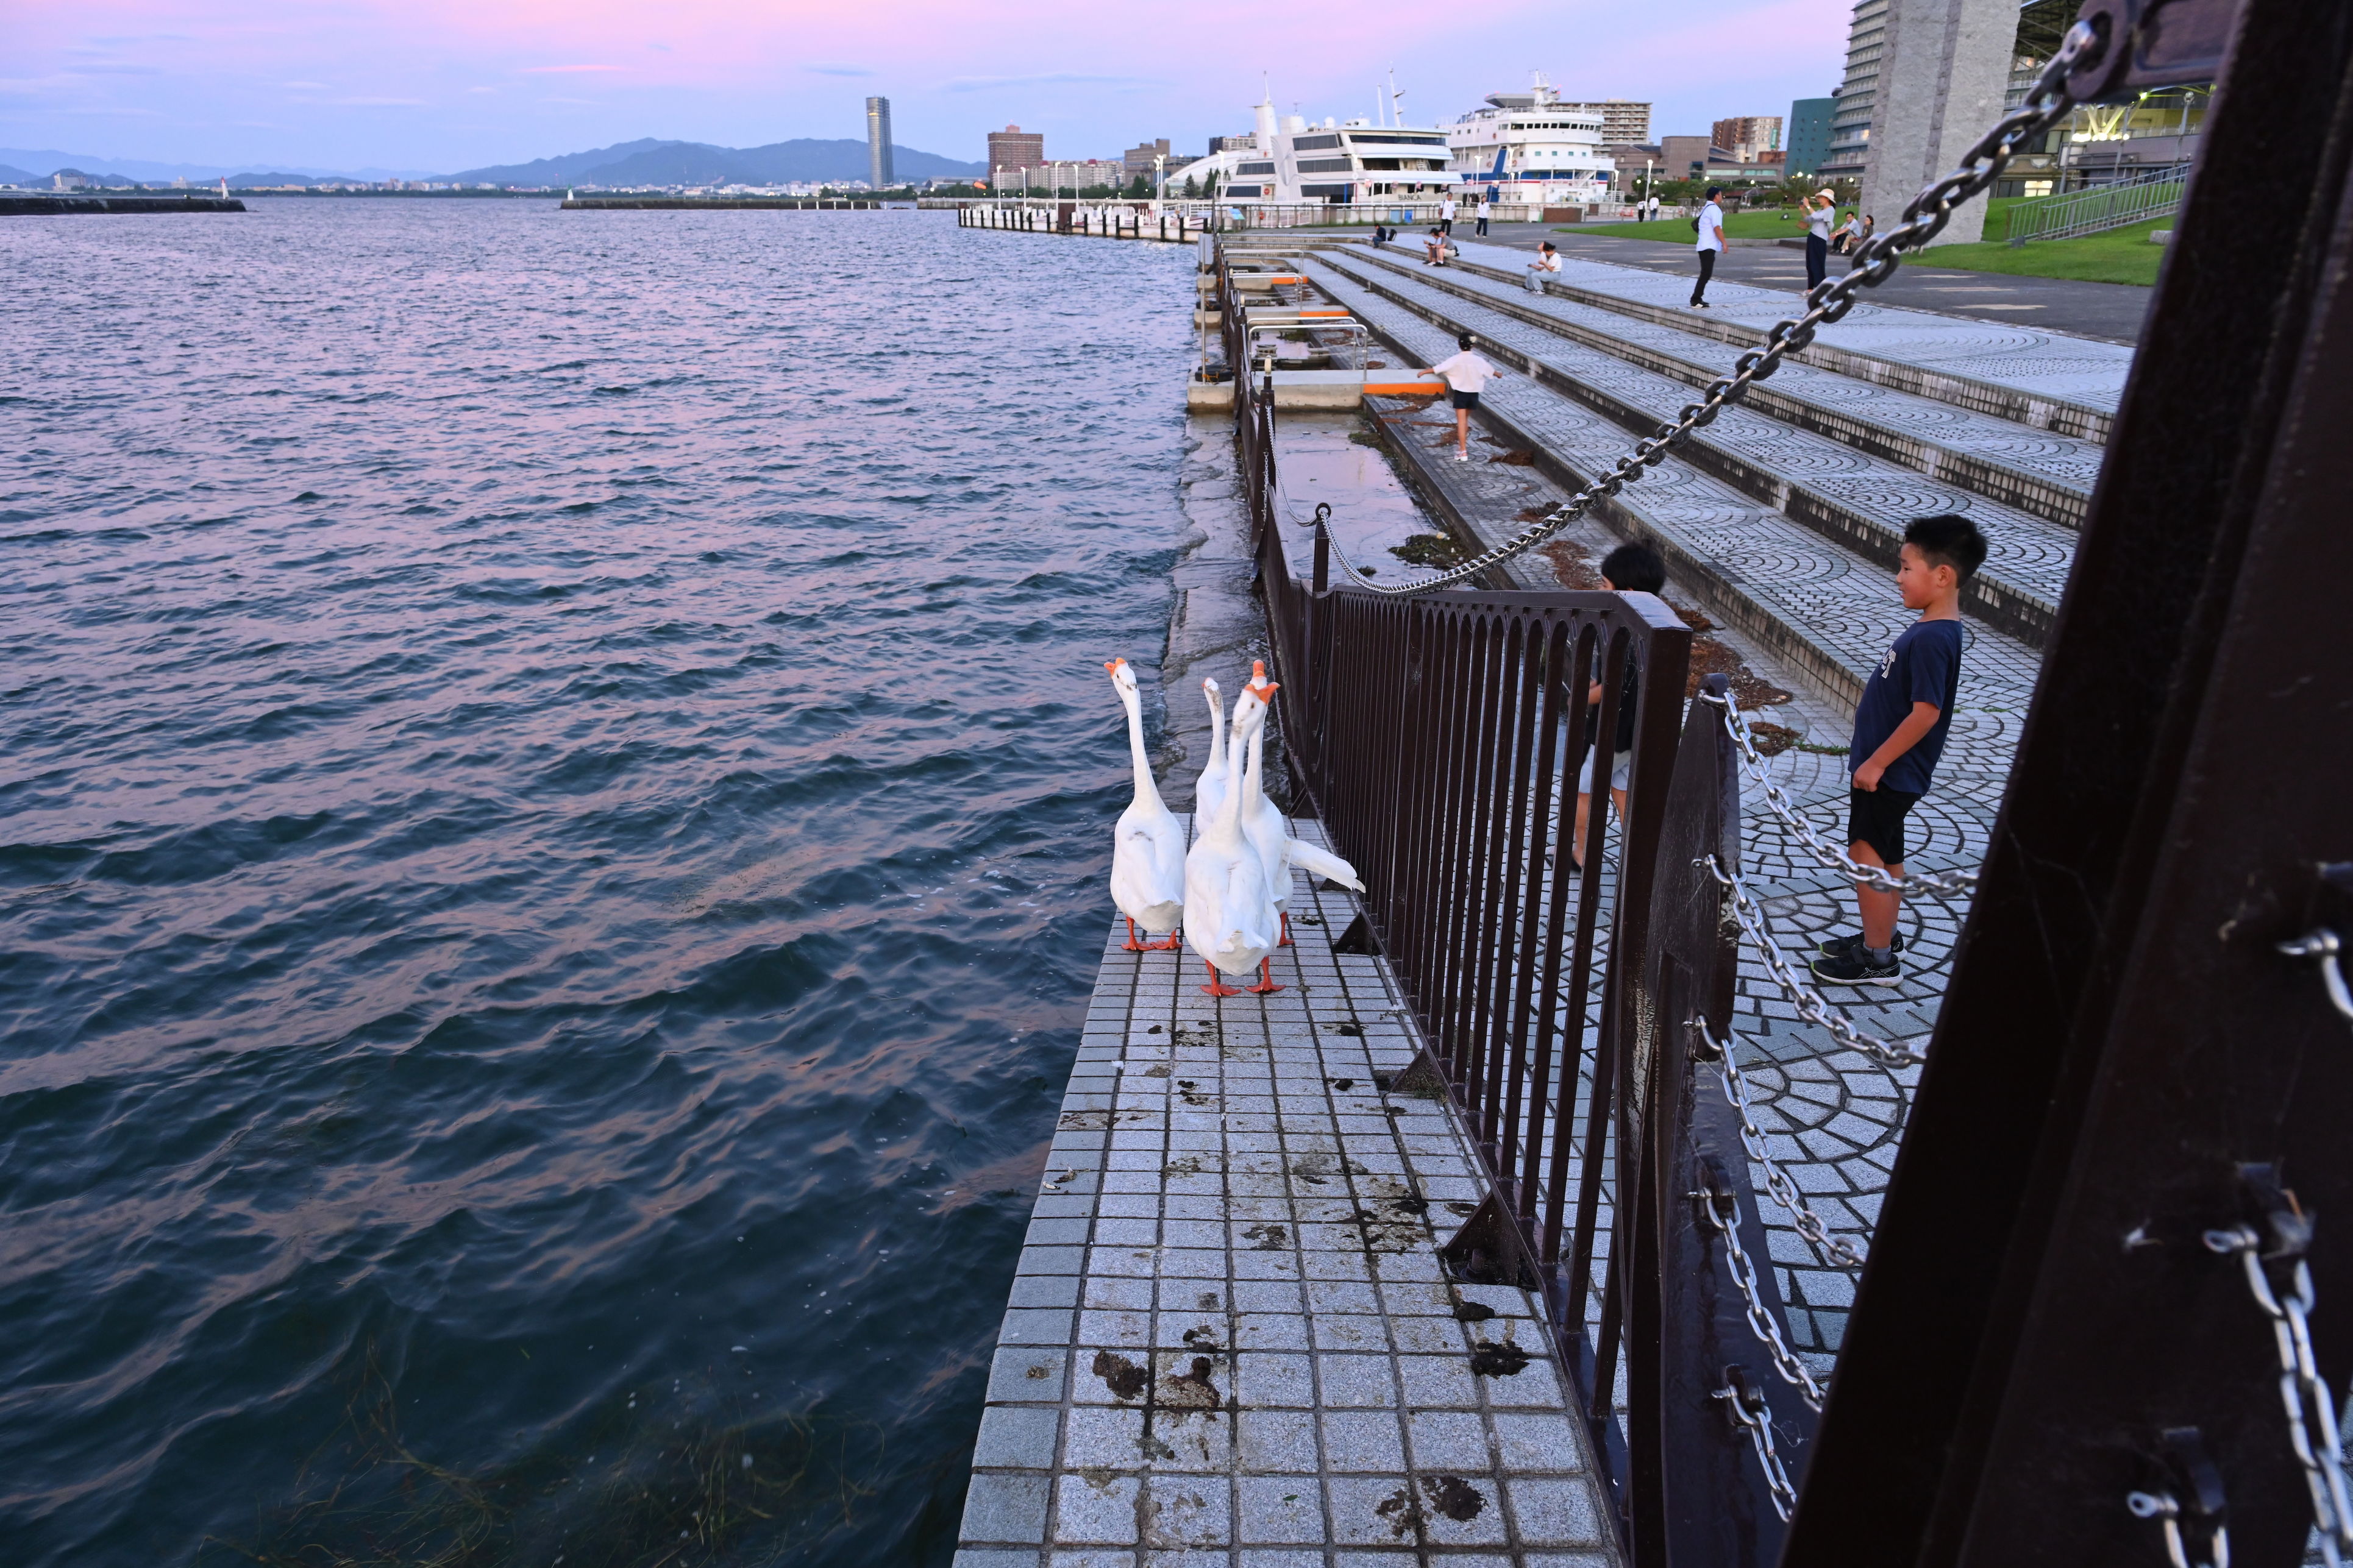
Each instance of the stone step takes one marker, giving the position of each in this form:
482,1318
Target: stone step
2043,474
2033,376
1857,501
1815,606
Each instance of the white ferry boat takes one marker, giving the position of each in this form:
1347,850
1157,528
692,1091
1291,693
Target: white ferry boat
1531,147
1292,160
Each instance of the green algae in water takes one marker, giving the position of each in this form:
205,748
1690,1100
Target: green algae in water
1434,550
692,1479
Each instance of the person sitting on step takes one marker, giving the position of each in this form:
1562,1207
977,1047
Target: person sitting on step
1545,265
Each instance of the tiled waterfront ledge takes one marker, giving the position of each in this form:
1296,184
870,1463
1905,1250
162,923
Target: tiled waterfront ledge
1230,1339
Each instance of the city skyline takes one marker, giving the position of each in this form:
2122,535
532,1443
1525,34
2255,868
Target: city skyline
441,87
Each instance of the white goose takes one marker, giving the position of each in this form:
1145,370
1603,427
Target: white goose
1270,835
1147,851
1230,916
1209,790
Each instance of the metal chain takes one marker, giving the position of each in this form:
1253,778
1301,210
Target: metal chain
2045,106
2304,1396
1835,1251
1942,885
1749,1411
2325,946
2166,1508
1761,1318
1811,1004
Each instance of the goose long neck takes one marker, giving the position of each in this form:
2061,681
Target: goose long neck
1230,811
1217,724
1145,787
1254,783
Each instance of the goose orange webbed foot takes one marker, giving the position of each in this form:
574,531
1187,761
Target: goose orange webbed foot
1284,940
1266,981
1216,987
1175,939
1132,945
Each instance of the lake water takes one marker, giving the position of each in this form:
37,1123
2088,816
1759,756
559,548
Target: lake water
556,775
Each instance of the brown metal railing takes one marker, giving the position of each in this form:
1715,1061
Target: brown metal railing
1438,737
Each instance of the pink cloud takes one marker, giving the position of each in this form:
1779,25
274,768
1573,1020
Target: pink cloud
1093,77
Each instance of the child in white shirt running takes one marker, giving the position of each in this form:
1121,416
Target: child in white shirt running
1466,376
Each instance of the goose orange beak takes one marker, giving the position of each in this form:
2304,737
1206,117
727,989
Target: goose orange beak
1112,665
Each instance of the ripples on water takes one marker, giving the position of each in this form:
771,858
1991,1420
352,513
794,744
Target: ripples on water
556,771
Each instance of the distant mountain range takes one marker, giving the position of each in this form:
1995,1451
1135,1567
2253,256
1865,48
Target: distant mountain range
29,166
658,162
650,162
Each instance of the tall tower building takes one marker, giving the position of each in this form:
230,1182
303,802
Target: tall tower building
1014,148
878,144
1858,95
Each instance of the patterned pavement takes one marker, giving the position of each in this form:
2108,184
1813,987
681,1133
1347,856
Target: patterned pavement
2037,471
2051,367
1852,497
1827,615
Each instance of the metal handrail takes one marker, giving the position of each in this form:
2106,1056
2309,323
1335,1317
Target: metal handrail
2153,192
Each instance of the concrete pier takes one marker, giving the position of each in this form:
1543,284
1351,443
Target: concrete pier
1230,1339
1102,220
721,203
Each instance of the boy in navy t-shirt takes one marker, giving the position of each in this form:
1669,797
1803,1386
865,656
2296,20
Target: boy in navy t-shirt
1899,733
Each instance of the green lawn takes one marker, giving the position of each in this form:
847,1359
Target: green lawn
2119,256
1739,226
1771,223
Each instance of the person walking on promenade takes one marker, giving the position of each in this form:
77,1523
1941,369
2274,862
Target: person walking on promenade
1545,265
1629,569
1820,209
1485,210
1446,215
1710,224
1899,733
1466,376
1652,212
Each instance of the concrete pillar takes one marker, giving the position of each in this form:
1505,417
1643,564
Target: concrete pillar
1941,84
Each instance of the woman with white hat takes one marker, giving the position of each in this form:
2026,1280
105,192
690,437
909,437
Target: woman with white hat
1821,207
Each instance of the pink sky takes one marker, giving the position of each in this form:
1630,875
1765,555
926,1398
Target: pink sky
441,84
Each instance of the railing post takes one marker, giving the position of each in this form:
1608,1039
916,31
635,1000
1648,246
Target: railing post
1700,1493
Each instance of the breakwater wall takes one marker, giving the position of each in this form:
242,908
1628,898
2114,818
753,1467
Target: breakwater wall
721,204
49,206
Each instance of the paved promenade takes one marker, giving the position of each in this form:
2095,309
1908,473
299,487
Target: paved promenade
2028,359
2111,311
1230,1341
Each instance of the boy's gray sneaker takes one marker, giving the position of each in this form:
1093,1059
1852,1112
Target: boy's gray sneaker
1833,947
1856,969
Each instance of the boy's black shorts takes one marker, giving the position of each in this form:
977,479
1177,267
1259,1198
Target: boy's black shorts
1876,817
